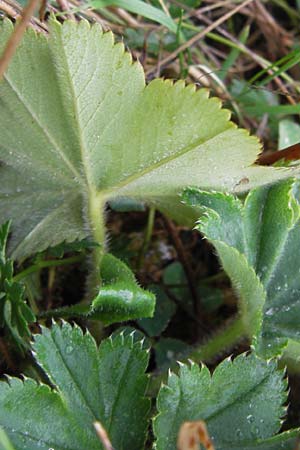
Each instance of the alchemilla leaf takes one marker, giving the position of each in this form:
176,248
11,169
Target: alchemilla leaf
241,404
88,131
256,243
105,384
120,298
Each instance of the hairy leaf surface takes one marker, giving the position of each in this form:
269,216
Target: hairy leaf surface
241,404
120,298
105,384
78,128
258,246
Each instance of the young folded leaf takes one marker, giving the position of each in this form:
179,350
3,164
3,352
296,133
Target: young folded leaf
120,298
241,404
108,385
79,128
258,246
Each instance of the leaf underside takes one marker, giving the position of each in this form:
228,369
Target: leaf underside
86,128
108,386
258,246
241,404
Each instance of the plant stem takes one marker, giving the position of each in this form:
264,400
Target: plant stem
223,340
44,264
147,237
97,224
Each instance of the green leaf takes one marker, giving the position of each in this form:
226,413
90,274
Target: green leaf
120,298
69,247
106,384
126,205
104,135
289,133
256,243
141,8
168,351
164,311
241,403
15,314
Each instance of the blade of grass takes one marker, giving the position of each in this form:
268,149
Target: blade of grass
279,67
273,109
234,54
140,8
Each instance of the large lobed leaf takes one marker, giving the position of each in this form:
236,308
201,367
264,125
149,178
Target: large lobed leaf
241,404
106,384
258,246
78,128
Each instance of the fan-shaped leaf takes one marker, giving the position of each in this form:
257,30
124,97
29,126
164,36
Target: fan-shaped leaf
79,128
105,384
257,244
241,404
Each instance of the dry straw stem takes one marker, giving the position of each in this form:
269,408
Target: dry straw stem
191,434
17,35
103,436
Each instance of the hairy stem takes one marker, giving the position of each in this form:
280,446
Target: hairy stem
147,236
223,340
97,224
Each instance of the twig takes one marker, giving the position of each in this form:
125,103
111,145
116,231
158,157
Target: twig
17,35
65,7
9,10
202,33
14,10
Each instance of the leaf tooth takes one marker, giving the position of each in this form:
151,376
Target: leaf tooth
132,333
202,366
142,342
180,363
191,362
7,378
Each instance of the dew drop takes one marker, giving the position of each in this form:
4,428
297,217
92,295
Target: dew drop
250,418
69,349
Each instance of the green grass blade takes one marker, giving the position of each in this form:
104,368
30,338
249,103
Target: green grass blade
141,8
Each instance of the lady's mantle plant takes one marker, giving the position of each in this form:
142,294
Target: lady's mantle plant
78,128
